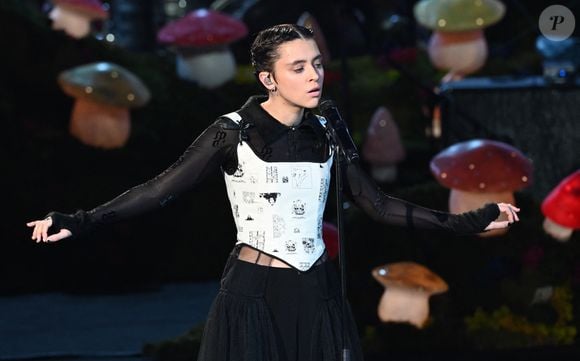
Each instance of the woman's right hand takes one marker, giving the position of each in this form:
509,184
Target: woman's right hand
40,232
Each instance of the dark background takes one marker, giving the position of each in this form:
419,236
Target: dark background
45,169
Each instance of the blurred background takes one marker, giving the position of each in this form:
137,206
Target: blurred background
423,86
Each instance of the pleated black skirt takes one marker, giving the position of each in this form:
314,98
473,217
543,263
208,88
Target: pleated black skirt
277,314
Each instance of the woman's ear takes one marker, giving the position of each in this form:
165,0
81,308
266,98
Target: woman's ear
266,79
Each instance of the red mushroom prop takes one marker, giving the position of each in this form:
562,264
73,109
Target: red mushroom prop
104,93
330,237
383,148
408,286
201,41
481,171
562,208
75,16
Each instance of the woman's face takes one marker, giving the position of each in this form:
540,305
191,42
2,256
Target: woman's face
298,73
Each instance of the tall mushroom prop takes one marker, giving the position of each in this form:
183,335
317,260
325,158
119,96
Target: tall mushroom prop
457,43
481,171
383,148
75,16
561,208
201,41
104,92
309,21
408,286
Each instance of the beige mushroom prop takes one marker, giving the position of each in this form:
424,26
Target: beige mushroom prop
104,92
309,21
481,171
75,16
408,286
457,43
383,148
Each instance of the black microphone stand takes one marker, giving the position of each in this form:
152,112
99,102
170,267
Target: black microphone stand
340,157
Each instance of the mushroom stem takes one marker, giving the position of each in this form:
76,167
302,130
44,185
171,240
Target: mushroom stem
73,23
402,304
559,232
462,201
209,70
384,173
100,125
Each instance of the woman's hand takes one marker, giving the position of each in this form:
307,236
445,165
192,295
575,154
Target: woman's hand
40,232
511,213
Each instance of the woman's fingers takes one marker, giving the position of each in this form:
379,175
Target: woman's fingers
64,233
40,231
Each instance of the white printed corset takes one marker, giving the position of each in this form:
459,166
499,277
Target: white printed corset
278,206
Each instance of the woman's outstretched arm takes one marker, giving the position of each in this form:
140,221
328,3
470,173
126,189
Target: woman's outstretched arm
384,208
204,156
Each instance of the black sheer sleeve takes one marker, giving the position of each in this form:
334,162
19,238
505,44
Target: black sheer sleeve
383,208
214,148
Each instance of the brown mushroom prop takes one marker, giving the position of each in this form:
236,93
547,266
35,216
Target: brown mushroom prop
481,171
104,92
201,41
562,208
308,21
457,43
75,16
408,286
383,148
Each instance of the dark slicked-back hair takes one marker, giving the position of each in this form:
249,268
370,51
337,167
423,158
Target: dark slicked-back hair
264,51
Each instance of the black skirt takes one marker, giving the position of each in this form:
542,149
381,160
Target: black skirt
277,314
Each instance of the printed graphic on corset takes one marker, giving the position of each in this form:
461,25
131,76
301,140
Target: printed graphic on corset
270,197
290,246
322,192
257,239
271,174
248,197
253,178
308,244
236,211
298,207
219,138
301,178
279,226
249,218
239,171
296,230
304,265
285,179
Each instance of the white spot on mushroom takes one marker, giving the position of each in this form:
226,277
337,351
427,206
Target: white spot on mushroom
382,122
110,38
88,89
130,97
443,175
382,272
442,23
479,21
481,185
472,166
524,179
114,75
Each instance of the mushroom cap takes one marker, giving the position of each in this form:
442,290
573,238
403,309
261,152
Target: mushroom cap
481,165
93,9
309,21
202,28
409,275
330,237
383,143
458,15
562,205
105,83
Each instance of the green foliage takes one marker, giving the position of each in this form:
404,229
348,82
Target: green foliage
182,348
504,329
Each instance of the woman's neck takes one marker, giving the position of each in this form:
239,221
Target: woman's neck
284,113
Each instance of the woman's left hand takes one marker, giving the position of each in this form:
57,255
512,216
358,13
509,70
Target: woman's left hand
512,215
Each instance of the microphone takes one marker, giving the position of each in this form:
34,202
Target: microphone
339,131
